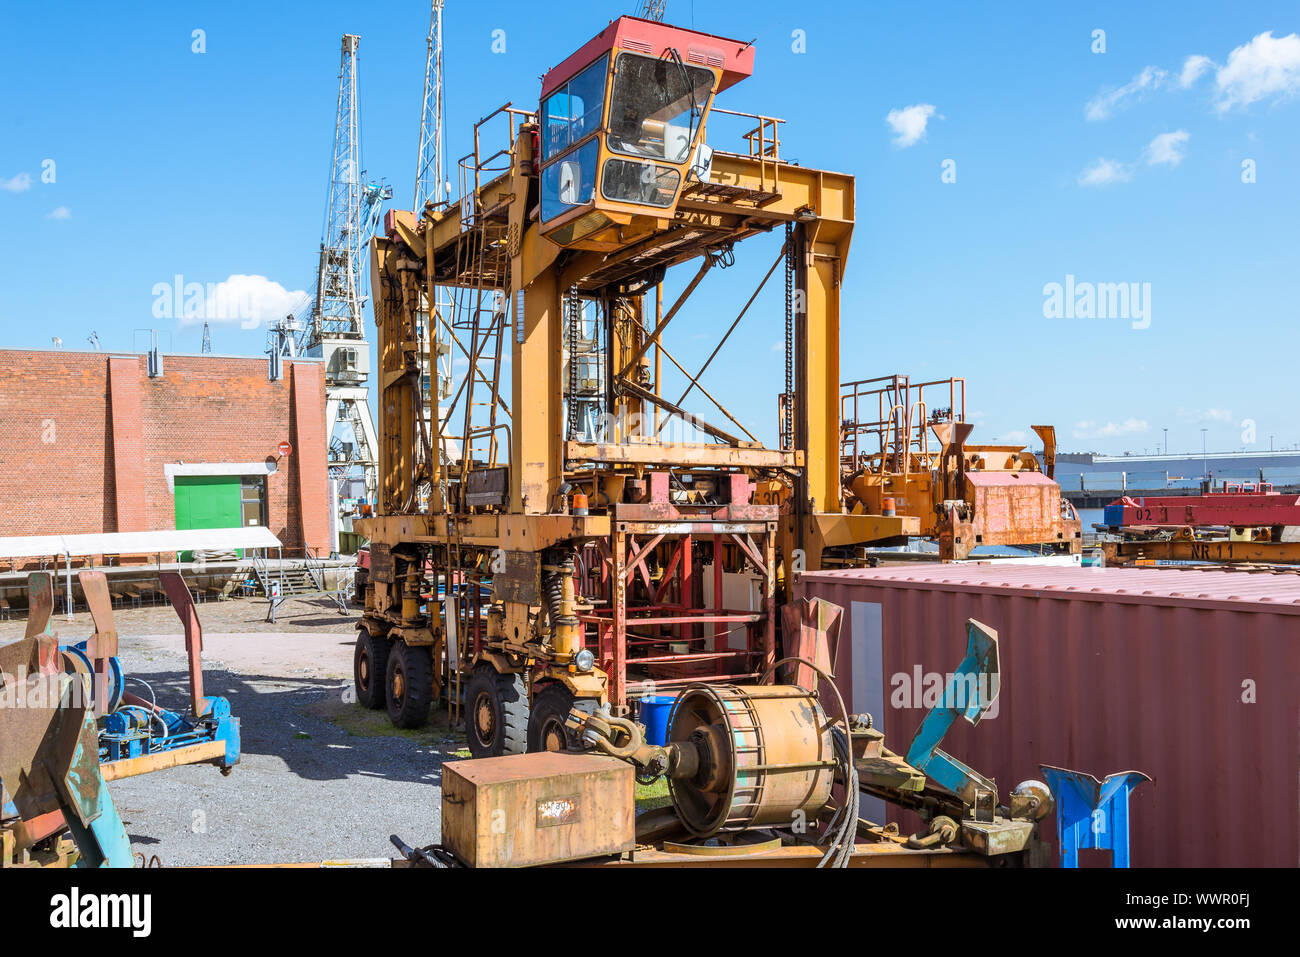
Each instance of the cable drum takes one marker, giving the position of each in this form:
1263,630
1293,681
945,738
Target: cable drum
77,661
767,757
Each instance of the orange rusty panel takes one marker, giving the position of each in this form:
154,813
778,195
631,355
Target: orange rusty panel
1013,507
1190,676
521,810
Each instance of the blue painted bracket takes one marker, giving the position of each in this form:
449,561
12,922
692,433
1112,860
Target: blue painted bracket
968,693
227,729
1091,813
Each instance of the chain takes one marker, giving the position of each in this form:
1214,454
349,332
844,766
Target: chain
573,310
787,439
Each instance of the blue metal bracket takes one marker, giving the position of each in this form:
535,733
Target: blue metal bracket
1092,813
968,693
96,826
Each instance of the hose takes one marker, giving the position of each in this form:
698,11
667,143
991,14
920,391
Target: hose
153,699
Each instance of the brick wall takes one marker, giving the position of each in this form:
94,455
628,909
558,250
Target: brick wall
84,438
309,448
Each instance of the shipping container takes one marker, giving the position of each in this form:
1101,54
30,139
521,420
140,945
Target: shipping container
1190,676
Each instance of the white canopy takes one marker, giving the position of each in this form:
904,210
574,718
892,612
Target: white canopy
139,543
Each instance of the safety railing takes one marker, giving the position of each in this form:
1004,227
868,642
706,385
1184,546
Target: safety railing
472,166
764,140
897,437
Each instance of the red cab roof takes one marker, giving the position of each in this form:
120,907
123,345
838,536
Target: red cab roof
734,57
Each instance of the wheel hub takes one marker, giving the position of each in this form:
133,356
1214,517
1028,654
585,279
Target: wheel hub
399,683
484,719
553,736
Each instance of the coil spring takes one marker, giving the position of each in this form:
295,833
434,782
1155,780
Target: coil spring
553,586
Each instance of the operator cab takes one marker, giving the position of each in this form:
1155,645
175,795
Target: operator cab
622,128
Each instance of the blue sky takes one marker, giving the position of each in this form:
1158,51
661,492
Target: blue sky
1122,166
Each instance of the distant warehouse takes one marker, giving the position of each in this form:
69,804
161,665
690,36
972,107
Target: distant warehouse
100,442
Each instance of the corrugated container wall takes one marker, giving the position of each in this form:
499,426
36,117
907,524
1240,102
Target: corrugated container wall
1190,676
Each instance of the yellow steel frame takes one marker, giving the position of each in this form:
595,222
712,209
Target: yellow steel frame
744,196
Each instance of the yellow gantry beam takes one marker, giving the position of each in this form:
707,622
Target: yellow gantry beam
744,196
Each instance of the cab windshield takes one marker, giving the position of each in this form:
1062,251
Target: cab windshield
656,106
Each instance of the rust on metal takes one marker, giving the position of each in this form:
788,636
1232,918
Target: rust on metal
770,757
810,629
178,593
40,603
910,443
102,645
545,807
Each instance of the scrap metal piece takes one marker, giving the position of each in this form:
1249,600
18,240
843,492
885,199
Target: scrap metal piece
741,846
968,693
102,645
40,603
1048,434
178,593
811,627
49,756
1092,813
998,836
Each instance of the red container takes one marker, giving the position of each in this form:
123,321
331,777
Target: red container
1190,676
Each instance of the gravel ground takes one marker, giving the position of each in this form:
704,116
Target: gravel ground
319,778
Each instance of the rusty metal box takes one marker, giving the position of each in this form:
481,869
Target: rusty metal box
526,809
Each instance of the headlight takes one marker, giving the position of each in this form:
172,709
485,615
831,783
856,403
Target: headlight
584,660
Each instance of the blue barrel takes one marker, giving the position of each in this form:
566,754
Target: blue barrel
655,709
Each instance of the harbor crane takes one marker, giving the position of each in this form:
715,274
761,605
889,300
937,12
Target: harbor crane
334,327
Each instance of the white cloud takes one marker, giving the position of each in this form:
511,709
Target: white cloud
1014,437
61,212
1205,415
247,300
1193,67
1089,429
1103,105
909,123
1103,172
1266,66
16,184
1167,149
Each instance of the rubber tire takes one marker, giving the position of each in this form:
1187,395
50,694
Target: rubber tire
510,705
554,701
377,651
415,664
359,579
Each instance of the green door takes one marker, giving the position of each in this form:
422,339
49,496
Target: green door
207,501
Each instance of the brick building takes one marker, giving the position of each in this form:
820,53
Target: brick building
90,442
